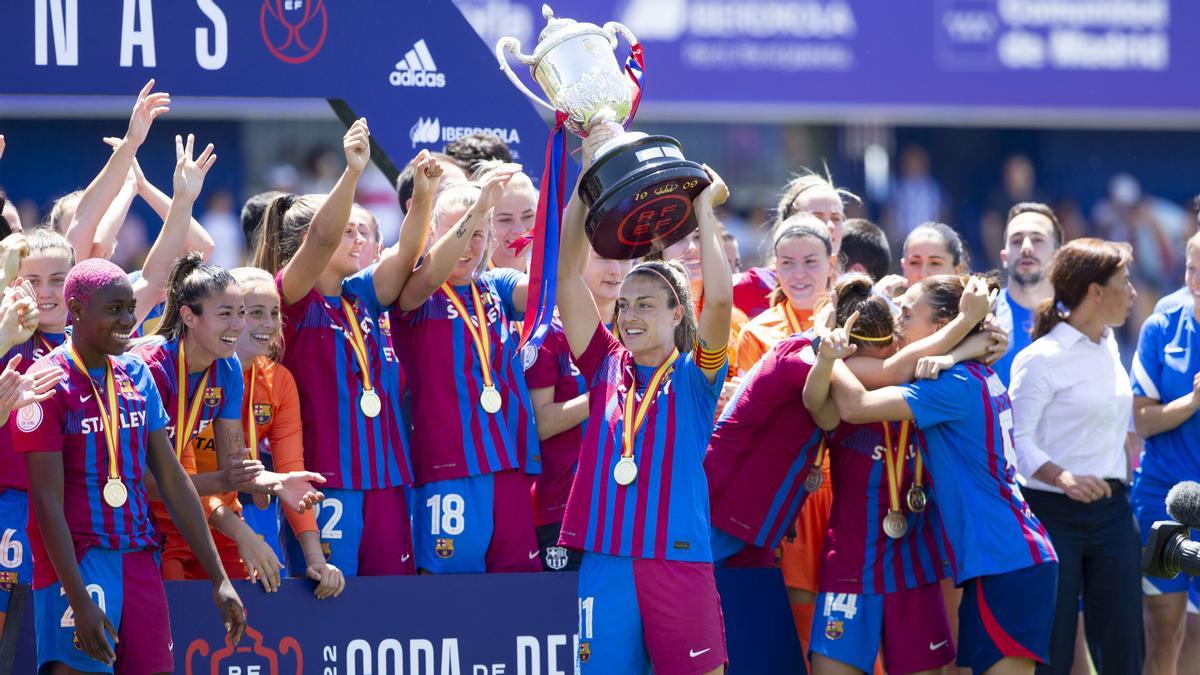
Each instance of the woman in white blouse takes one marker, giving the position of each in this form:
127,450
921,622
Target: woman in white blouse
1072,402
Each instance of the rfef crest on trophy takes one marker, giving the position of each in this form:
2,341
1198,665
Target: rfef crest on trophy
639,189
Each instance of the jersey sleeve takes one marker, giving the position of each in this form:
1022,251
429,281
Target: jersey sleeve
545,372
1147,369
40,426
156,414
233,386
506,281
940,400
707,392
602,345
287,440
362,286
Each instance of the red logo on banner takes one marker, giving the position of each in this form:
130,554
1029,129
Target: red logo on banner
294,30
248,654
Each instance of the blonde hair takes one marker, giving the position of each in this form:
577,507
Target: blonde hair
807,181
462,198
252,277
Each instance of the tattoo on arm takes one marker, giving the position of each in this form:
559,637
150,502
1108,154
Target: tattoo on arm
462,229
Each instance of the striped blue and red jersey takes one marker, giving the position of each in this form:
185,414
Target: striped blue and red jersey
965,417
14,474
554,368
858,557
222,395
663,514
69,422
763,447
351,450
453,437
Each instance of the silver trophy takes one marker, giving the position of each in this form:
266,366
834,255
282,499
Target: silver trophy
639,188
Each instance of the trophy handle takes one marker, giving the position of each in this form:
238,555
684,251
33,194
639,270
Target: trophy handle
510,44
612,29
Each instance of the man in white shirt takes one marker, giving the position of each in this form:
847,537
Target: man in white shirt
1031,237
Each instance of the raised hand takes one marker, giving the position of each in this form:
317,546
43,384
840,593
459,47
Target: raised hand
18,391
13,249
976,302
149,106
427,175
18,315
836,345
892,285
233,613
716,193
189,174
495,185
357,146
929,367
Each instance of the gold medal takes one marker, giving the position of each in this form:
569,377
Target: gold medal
115,493
625,472
370,404
916,499
895,525
490,400
813,481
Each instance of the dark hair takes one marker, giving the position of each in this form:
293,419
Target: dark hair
404,182
191,282
1075,267
252,212
472,149
285,222
949,237
1041,210
855,293
796,226
942,292
673,277
865,243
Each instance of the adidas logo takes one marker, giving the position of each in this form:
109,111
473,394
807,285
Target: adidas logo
417,69
425,131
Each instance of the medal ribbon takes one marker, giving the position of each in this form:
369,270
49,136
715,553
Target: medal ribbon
632,422
109,417
793,321
919,475
543,264
46,346
252,427
480,336
895,469
819,459
635,68
357,343
188,415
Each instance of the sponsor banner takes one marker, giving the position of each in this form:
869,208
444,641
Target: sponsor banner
499,624
1051,55
414,69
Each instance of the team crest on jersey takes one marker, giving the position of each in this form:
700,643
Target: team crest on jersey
444,548
385,325
126,388
212,396
262,413
556,557
30,417
585,652
8,580
835,629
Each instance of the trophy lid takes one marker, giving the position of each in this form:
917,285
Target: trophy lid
558,30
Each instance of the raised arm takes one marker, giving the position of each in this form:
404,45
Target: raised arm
576,306
446,251
857,405
300,274
114,219
187,183
834,347
714,268
103,189
900,367
397,263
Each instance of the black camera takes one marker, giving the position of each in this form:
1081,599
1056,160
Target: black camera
1169,548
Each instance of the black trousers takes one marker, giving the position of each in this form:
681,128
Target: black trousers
1099,557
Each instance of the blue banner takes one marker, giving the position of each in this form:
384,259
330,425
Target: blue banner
414,69
1041,57
499,624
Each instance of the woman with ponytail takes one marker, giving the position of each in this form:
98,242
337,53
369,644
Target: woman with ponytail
475,443
271,421
192,361
638,508
1072,402
336,346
